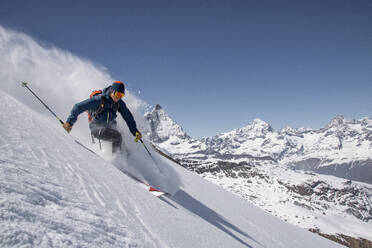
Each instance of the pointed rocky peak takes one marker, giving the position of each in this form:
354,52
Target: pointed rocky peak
157,113
158,107
337,121
162,126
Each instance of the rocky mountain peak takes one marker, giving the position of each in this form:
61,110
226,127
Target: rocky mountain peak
158,107
163,127
257,127
262,124
337,121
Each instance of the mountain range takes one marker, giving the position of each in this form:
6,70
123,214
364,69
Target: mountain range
342,148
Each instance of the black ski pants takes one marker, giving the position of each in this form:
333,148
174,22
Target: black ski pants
109,134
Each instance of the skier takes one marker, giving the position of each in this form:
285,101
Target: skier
102,110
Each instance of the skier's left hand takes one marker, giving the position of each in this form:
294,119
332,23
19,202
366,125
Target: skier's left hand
138,136
67,126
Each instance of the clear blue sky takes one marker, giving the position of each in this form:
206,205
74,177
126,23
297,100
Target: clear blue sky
217,65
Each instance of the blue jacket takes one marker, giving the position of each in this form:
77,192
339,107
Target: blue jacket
107,117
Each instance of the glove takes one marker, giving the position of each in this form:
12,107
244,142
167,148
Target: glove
67,127
138,136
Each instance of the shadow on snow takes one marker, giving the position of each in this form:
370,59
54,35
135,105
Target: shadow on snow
198,208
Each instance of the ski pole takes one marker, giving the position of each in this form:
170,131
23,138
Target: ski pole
24,84
146,148
148,152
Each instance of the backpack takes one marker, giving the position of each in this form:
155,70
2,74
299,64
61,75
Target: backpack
92,114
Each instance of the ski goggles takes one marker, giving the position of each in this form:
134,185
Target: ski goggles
118,94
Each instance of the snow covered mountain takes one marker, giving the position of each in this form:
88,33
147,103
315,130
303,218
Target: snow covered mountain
163,128
55,193
342,148
275,169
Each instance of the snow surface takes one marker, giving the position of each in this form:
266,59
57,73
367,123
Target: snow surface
309,211
55,193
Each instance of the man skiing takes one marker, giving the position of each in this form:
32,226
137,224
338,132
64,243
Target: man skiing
102,110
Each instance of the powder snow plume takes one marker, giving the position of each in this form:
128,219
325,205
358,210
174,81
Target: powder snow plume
60,77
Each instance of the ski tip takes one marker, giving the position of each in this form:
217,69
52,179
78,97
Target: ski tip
152,189
156,192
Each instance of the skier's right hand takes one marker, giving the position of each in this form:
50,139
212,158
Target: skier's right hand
138,136
67,127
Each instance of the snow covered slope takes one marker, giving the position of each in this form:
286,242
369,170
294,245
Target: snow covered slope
55,193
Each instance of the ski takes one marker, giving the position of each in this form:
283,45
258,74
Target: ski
151,189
